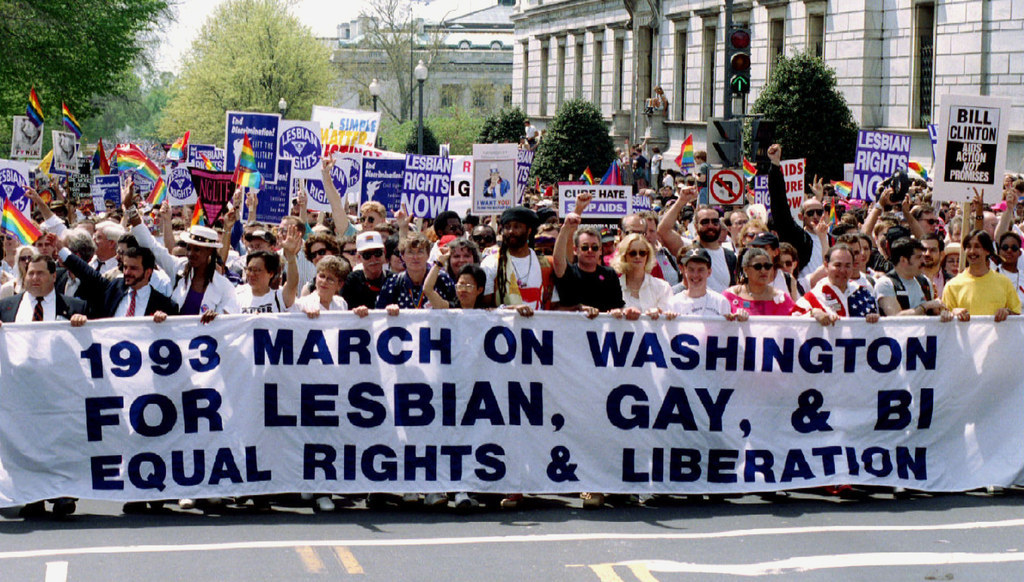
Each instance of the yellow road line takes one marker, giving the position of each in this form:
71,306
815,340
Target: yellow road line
312,562
606,572
347,560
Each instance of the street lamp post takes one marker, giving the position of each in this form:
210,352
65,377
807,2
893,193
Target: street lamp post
421,76
375,92
282,106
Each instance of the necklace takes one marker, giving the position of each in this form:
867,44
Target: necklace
522,281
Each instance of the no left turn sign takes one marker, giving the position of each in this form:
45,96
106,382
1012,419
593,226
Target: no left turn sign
727,186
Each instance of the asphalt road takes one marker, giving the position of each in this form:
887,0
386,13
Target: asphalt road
803,537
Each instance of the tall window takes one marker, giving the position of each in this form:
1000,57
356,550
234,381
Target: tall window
619,73
506,96
776,41
598,71
451,95
816,34
924,64
543,108
559,71
710,66
526,74
577,63
679,83
482,96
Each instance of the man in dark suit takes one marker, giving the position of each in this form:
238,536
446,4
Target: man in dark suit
41,302
129,295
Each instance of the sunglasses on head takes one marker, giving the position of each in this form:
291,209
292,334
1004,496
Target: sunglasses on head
760,266
372,254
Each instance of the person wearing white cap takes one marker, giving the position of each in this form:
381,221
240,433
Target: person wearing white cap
363,285
199,289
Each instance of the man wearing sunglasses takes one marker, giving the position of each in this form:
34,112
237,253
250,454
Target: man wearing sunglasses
586,285
363,285
802,236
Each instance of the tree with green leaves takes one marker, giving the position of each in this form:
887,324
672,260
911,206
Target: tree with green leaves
135,116
503,126
249,55
577,138
812,118
430,145
82,53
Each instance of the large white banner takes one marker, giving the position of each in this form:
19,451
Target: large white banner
475,401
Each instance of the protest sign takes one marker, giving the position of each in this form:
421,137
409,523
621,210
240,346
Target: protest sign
494,174
971,148
761,190
933,136
213,191
143,185
179,187
475,401
641,202
793,171
459,198
105,188
524,162
382,182
65,153
79,186
14,179
341,129
426,185
879,154
346,173
299,141
26,139
262,131
272,200
195,160
607,202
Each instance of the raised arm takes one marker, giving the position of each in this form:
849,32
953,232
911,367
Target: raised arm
435,299
667,225
290,244
1006,218
341,221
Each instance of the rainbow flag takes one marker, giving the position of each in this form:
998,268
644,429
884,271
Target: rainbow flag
198,216
69,121
918,169
749,169
34,110
613,177
104,160
587,176
685,157
843,189
179,148
14,222
246,173
130,157
209,164
159,193
832,213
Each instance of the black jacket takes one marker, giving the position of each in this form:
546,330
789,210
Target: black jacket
66,307
104,295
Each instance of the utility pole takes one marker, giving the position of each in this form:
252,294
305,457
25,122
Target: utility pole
726,88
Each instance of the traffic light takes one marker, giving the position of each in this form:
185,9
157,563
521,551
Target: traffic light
762,135
726,139
738,55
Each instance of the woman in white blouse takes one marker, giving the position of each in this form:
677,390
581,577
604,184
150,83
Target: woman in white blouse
641,292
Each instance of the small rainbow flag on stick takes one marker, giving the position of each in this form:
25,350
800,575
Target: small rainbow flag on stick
246,173
198,216
15,223
843,189
587,176
749,169
159,193
209,164
130,157
685,157
918,169
69,121
179,148
34,110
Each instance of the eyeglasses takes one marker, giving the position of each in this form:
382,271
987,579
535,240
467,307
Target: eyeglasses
589,248
545,251
320,252
761,266
348,251
255,270
483,240
465,286
24,259
372,254
1009,248
705,221
931,221
787,264
368,218
636,253
814,212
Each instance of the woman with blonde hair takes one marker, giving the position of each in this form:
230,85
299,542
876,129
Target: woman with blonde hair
642,292
749,232
11,288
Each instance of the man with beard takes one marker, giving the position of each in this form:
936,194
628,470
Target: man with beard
904,290
931,261
708,223
515,275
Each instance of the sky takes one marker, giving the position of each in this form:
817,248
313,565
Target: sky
322,16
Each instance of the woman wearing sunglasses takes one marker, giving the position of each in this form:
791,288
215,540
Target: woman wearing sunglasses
641,292
755,294
11,288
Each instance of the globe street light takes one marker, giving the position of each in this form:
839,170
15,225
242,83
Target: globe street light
421,75
375,91
282,106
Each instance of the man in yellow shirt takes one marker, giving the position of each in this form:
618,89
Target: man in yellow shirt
978,290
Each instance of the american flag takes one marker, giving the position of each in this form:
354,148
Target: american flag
856,301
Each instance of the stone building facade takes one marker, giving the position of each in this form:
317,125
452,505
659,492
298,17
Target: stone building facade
893,59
